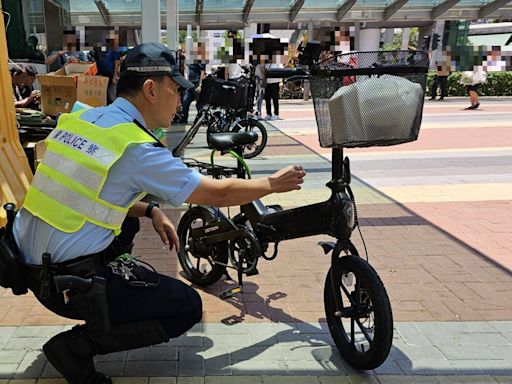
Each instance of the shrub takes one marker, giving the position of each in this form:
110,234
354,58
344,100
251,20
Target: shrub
497,84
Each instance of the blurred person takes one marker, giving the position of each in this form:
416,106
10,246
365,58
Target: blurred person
18,80
473,80
441,79
108,61
70,53
27,88
33,53
196,73
272,93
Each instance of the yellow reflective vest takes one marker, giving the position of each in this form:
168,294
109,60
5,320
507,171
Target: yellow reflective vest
65,191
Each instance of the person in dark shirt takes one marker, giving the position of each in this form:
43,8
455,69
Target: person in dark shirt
108,61
18,80
195,75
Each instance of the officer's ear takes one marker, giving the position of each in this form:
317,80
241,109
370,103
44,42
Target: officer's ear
149,90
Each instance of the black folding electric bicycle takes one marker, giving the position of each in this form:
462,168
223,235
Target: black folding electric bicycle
357,306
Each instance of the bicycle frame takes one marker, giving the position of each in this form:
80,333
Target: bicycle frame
334,217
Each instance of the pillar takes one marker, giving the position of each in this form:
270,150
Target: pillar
150,21
173,24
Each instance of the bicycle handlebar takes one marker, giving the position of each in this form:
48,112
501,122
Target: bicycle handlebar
274,73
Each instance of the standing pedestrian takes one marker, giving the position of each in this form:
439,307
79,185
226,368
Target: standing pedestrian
272,94
441,79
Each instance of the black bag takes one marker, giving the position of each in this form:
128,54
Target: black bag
12,271
223,93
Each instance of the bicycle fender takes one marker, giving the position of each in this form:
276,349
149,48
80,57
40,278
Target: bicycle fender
338,247
327,246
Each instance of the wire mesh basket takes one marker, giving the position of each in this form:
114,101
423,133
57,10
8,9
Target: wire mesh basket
365,99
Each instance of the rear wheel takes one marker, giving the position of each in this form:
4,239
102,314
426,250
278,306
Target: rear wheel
362,328
198,261
251,125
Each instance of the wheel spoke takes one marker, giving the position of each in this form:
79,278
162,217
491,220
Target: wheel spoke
364,330
197,264
349,296
352,335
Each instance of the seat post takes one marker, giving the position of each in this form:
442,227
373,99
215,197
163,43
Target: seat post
240,170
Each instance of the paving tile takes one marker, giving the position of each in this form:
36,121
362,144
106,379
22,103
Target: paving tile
503,379
130,380
150,368
12,356
408,379
426,367
482,367
483,379
110,368
290,380
25,343
22,381
31,366
314,367
185,380
258,367
362,379
274,352
172,380
333,379
59,381
7,370
152,354
190,363
458,352
232,380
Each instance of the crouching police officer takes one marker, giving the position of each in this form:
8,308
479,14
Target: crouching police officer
98,165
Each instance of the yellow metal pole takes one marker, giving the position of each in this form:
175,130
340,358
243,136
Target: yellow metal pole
15,173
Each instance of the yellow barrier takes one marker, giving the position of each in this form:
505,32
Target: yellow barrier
15,173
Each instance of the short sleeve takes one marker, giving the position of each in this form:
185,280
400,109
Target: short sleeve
156,171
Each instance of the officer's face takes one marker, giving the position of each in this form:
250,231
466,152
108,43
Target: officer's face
168,100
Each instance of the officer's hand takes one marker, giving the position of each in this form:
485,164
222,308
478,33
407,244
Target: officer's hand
287,179
165,228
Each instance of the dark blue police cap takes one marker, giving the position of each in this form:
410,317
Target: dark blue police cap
153,59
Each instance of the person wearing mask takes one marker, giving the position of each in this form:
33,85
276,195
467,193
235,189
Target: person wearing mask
97,166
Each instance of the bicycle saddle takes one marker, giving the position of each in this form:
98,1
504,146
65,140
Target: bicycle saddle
227,140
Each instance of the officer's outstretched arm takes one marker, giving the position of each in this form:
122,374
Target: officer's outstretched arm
227,192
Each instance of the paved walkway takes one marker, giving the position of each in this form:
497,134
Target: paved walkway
435,215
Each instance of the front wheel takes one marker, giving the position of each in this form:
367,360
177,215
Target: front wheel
249,125
362,327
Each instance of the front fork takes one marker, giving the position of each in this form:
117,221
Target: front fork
336,249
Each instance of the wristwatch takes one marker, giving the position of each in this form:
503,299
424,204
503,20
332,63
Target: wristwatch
149,209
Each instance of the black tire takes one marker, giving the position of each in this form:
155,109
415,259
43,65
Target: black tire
369,295
190,257
248,125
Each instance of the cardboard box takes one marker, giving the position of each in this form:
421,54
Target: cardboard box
74,81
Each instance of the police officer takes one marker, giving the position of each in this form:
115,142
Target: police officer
98,165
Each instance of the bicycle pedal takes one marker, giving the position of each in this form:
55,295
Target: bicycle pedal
227,294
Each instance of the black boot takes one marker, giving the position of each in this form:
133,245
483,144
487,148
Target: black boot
71,354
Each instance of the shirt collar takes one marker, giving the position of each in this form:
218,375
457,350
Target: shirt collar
129,109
